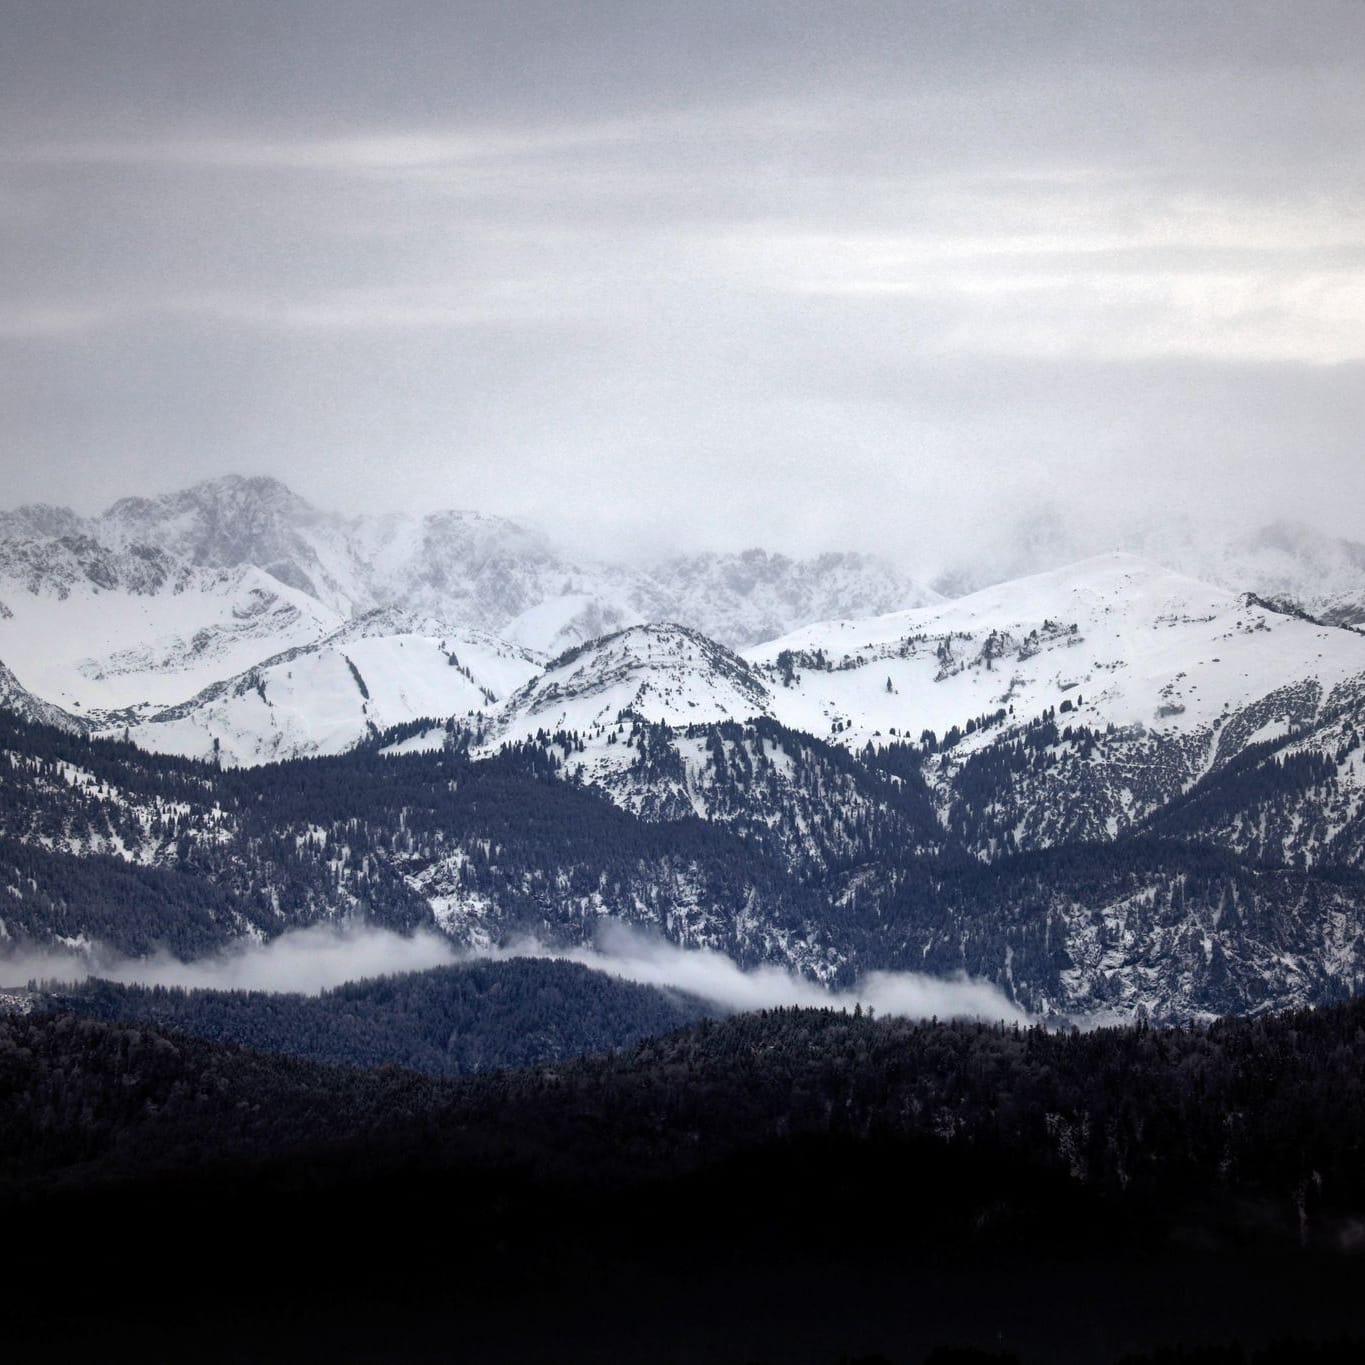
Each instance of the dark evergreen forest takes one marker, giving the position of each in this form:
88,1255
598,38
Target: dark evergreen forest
448,1021
813,1185
290,844
1206,929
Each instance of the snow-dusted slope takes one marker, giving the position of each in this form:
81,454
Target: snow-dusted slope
665,675
326,698
1113,640
105,644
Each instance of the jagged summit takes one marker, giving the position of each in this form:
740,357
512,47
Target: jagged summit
40,520
664,674
158,598
230,493
235,522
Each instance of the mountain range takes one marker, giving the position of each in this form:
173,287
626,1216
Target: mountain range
1111,788
157,598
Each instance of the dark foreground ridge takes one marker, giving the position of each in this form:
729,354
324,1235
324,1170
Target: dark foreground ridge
791,1185
447,1021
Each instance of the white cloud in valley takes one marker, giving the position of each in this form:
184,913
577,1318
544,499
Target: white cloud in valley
324,956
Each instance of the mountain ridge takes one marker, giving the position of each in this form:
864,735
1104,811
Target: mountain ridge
476,569
1108,787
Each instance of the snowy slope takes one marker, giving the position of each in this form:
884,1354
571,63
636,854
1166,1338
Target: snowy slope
19,701
326,698
91,647
663,674
1123,641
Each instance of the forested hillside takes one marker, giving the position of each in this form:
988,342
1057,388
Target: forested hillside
485,851
447,1021
755,841
828,1148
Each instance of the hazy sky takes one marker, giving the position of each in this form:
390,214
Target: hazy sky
708,274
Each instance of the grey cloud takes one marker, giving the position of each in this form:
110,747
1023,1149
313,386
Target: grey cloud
312,57
800,274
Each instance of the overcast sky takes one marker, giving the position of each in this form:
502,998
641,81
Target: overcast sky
715,274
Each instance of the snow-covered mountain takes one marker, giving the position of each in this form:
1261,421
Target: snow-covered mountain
154,601
1073,705
464,568
374,674
159,601
665,674
1161,679
1127,683
1113,640
1112,786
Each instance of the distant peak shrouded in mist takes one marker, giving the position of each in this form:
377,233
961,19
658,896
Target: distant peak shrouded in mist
161,605
1281,557
258,520
461,567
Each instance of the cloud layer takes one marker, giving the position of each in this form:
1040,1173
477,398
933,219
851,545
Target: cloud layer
317,958
303,960
627,952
